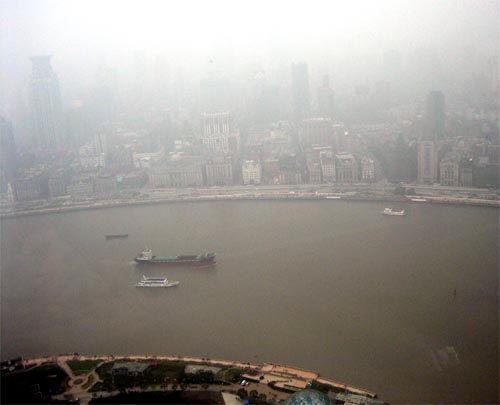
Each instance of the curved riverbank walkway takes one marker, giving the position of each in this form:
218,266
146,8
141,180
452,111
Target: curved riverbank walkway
288,196
265,368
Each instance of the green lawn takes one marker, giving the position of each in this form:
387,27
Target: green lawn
82,367
89,382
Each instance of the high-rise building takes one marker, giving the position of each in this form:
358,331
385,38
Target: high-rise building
325,99
46,104
300,92
435,115
217,128
427,162
317,131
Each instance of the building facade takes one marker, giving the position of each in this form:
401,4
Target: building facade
219,171
317,131
346,168
178,174
327,161
367,169
217,129
251,172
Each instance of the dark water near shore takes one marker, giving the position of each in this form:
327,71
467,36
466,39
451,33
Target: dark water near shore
331,286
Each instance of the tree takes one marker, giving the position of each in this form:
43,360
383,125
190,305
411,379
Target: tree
242,393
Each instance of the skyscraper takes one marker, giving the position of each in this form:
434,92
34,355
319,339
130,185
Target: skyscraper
46,104
325,99
427,162
435,115
300,91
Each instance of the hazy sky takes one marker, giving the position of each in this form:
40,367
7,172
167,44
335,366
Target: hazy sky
79,32
53,26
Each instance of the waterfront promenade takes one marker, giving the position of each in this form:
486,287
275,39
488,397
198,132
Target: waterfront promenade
430,194
276,370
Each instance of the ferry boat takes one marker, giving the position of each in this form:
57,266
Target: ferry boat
121,236
156,282
147,257
390,211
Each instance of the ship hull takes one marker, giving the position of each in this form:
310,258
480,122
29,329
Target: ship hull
177,263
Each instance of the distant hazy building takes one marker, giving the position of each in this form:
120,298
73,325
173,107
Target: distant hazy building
219,171
465,173
251,172
346,168
435,115
449,171
317,131
120,158
57,184
182,173
290,171
105,185
46,104
217,128
29,187
326,99
147,159
89,158
300,92
427,155
327,161
314,170
367,169
132,180
81,187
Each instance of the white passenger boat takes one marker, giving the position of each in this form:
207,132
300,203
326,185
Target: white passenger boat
390,211
156,282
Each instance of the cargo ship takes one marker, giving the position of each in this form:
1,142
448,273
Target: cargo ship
147,257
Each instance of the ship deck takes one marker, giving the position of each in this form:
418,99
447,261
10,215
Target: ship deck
172,258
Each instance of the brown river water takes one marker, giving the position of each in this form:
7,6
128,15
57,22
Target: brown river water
331,286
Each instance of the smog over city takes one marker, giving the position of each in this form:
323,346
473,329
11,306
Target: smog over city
258,202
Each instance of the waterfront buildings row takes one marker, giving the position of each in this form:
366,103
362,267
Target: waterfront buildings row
457,164
166,147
